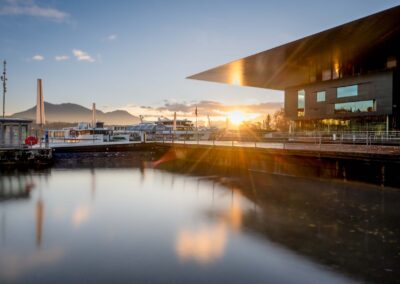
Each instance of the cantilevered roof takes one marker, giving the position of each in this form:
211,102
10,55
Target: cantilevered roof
287,65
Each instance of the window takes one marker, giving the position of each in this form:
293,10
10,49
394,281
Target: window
349,91
300,102
391,63
336,71
321,96
356,107
326,75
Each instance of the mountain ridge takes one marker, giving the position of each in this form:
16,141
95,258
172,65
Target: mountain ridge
74,113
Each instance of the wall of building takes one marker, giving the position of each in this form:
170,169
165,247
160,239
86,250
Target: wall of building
377,86
396,99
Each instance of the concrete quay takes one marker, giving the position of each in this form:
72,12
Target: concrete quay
21,157
372,164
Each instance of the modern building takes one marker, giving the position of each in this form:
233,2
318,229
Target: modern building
345,78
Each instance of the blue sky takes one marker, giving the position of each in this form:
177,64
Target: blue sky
127,54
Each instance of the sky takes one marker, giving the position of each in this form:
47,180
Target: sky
136,55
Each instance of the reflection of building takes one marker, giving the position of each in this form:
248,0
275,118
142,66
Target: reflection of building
15,187
13,131
345,77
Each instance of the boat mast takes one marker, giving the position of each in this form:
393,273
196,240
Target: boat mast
4,79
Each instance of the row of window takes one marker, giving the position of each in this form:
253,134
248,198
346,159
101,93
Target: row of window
335,69
341,92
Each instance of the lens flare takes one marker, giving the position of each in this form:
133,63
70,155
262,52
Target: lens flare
237,117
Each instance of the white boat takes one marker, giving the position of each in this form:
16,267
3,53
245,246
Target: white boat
84,134
163,129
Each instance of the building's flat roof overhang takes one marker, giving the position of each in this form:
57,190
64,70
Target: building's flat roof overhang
287,65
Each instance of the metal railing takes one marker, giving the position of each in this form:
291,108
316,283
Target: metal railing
350,142
274,140
391,138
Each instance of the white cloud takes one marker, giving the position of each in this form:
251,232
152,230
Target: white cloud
29,8
61,57
82,55
111,37
38,57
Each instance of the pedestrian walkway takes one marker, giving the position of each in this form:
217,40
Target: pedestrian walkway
338,148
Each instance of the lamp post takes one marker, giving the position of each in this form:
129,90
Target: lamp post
4,79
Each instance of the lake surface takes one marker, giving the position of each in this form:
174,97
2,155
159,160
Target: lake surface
135,225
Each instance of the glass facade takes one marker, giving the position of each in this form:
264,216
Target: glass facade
356,107
326,75
301,94
348,91
336,71
321,96
368,123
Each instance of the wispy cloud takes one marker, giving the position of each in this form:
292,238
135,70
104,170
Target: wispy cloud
82,55
38,57
110,37
30,8
216,110
61,57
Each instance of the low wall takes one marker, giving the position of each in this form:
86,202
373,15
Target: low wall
18,157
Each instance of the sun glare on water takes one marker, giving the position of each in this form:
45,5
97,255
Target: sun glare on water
237,116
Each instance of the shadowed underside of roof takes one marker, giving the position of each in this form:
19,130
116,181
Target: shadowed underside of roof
288,65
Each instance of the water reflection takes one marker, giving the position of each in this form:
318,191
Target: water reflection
135,224
15,187
203,245
80,215
206,243
15,264
39,222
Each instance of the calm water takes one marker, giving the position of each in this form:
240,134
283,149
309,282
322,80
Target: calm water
130,225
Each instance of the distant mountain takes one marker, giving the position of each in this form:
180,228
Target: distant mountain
69,112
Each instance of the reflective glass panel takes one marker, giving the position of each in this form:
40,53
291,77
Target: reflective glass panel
349,91
300,102
355,107
300,98
321,96
326,75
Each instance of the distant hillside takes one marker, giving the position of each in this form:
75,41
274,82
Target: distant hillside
72,113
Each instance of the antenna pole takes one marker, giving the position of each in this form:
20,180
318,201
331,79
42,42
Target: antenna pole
4,79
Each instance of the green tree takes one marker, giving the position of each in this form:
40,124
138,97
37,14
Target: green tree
281,123
268,122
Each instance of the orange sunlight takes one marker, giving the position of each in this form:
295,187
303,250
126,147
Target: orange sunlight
236,116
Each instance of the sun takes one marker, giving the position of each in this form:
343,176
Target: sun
237,116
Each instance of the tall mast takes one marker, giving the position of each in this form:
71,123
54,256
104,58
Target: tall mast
4,79
93,115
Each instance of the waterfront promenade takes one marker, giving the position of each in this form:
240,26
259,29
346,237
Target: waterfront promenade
367,163
306,147
317,148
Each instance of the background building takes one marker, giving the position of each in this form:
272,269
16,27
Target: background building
13,132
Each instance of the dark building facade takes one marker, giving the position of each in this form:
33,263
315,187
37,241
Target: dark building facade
357,103
344,78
